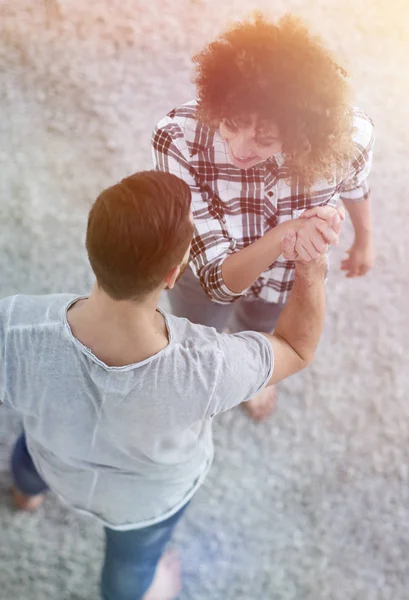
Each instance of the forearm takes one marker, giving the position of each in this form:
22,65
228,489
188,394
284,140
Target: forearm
241,269
301,322
361,218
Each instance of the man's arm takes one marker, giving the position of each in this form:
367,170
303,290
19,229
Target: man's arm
301,322
251,362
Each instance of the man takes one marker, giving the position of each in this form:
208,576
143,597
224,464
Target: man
117,398
271,134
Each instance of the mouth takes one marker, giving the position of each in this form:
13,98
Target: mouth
244,162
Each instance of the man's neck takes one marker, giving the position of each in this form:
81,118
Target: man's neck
119,332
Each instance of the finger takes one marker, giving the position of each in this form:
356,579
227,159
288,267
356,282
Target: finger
363,271
353,272
341,212
324,212
313,237
328,233
288,245
289,238
306,247
303,255
300,251
308,213
336,223
319,243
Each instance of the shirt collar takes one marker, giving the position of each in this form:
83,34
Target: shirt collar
277,160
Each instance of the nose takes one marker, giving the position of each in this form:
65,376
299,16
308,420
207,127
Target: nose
243,147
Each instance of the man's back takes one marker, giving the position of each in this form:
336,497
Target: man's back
129,444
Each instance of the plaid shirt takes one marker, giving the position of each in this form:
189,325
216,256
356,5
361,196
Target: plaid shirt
232,207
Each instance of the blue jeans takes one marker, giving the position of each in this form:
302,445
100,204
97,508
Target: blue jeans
131,557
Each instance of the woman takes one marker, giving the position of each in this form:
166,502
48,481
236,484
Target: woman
272,136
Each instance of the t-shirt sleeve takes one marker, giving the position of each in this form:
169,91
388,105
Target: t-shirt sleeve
247,364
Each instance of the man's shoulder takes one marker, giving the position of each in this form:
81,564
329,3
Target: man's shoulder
31,311
188,334
232,367
207,341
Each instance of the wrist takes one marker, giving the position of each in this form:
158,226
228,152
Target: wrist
363,236
289,225
286,226
314,268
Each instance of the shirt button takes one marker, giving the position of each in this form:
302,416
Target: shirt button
270,194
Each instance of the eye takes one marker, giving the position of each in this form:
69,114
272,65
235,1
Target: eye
230,125
266,143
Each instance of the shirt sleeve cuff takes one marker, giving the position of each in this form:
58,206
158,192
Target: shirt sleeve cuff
212,282
358,194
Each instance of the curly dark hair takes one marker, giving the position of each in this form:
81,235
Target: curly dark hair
283,74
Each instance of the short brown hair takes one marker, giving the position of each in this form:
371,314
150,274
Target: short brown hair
284,75
138,230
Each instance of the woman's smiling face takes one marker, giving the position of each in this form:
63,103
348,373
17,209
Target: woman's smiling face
250,143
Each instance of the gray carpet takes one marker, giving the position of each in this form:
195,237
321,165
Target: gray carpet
313,504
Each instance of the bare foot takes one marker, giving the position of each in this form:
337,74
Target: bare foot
28,503
166,584
262,405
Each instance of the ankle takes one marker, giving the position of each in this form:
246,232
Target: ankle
27,503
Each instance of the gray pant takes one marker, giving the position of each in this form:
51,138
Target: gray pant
188,300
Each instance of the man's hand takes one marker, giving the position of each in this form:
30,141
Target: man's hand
315,230
288,245
361,258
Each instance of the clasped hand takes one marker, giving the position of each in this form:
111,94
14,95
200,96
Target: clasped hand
313,232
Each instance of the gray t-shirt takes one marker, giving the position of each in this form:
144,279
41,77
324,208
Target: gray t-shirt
129,445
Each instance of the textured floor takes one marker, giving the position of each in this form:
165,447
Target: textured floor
313,504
